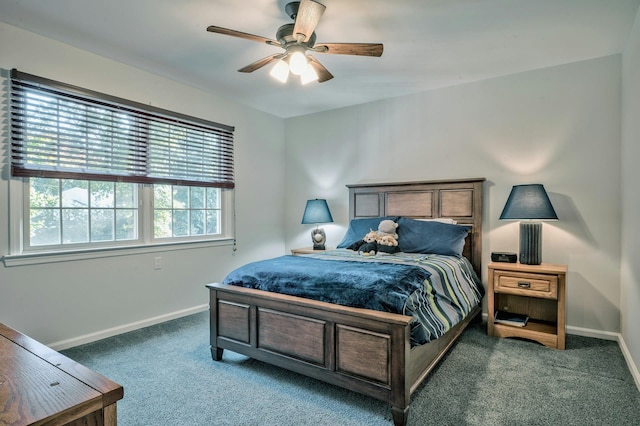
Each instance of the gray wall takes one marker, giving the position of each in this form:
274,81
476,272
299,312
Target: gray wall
65,303
558,126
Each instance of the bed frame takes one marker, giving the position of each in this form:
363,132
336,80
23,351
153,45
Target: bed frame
329,342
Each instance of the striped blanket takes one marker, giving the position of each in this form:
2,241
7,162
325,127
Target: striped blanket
452,290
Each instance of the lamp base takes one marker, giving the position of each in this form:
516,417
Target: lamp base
531,243
318,237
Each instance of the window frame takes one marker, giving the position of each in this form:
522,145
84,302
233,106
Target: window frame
21,253
18,196
197,237
26,246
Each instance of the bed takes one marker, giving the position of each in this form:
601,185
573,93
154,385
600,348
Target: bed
326,340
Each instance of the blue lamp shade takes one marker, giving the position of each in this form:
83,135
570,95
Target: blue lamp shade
529,202
317,211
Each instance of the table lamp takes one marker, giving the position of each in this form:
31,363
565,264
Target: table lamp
531,204
317,211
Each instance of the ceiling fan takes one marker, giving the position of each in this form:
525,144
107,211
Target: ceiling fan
298,38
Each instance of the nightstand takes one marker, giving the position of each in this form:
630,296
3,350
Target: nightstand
537,291
306,250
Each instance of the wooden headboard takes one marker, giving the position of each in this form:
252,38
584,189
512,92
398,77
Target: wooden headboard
456,199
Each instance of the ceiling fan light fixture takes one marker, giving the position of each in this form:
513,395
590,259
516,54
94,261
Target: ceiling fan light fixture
298,63
295,39
280,71
309,75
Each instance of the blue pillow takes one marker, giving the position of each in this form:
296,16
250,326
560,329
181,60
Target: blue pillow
358,228
431,237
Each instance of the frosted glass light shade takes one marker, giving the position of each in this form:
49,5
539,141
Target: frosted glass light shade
309,75
280,71
298,63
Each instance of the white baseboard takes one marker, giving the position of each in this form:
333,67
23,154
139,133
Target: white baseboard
627,356
589,332
103,334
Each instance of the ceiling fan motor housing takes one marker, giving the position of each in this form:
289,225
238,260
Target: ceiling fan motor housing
291,9
285,36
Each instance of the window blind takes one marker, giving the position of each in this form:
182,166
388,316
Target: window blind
63,131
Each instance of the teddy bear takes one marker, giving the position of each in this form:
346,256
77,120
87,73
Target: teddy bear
388,244
370,237
369,246
387,227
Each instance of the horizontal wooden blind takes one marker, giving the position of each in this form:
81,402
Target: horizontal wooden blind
63,131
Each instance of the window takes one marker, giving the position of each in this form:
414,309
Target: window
68,211
104,171
185,211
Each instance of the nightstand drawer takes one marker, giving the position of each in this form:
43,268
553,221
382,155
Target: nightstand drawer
530,285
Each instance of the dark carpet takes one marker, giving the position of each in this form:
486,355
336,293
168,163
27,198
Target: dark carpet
170,379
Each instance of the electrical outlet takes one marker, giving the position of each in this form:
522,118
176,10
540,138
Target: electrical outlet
157,262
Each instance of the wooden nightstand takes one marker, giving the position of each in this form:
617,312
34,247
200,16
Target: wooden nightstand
534,290
306,250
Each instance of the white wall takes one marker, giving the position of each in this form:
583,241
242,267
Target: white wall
55,302
630,267
558,126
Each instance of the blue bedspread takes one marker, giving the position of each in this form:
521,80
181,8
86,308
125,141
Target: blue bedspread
370,285
437,291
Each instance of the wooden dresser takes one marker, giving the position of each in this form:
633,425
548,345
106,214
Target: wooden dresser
40,386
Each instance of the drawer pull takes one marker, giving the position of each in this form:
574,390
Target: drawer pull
524,284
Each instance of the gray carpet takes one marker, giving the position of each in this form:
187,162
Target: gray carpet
170,379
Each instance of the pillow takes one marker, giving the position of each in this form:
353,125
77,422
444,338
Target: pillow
431,237
358,228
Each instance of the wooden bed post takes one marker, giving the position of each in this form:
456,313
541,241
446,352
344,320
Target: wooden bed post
400,384
399,415
216,352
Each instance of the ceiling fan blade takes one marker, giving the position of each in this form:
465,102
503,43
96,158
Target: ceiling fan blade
362,49
309,13
234,33
261,63
323,73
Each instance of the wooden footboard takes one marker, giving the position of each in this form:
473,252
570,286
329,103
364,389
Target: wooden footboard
358,349
317,339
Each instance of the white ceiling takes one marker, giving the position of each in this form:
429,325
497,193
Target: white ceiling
427,43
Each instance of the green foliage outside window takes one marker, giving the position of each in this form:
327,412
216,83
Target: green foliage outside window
69,211
181,211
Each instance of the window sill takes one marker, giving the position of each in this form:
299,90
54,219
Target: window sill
95,253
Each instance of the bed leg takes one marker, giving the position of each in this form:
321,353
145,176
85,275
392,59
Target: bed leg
216,353
400,415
